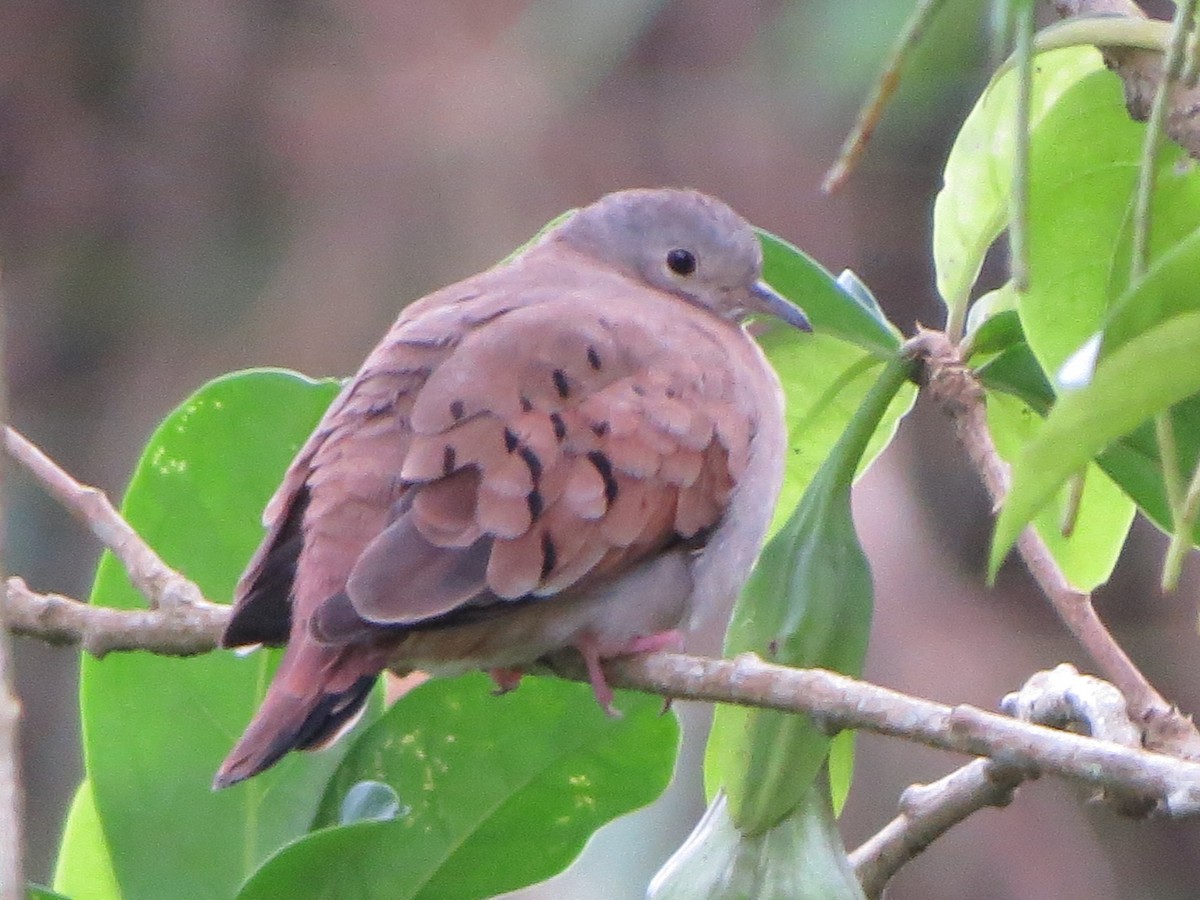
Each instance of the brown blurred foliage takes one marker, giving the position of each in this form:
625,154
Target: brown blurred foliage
192,186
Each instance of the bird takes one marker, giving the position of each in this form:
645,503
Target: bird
580,447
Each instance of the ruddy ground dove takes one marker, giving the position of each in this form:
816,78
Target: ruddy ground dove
580,447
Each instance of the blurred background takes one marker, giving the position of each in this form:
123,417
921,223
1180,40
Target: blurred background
193,186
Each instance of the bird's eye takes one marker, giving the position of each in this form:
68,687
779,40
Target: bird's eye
681,262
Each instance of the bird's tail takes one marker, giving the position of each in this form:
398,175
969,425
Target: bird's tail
317,694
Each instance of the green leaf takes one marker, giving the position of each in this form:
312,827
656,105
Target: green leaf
156,728
37,892
1168,289
1104,514
1084,169
999,330
495,792
84,868
1016,371
1132,460
849,312
807,603
972,208
1145,376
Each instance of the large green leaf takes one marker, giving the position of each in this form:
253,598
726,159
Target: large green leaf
1144,377
1083,176
156,728
495,792
972,208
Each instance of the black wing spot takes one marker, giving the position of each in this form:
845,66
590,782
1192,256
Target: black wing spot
600,429
536,504
593,358
510,440
560,384
535,465
604,467
560,427
549,554
448,460
526,404
458,409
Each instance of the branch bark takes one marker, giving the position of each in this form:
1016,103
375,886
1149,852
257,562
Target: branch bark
161,585
1060,698
954,387
927,811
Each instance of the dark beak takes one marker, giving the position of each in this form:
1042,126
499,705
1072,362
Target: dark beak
765,299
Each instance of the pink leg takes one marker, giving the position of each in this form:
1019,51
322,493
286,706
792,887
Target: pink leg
592,653
589,649
506,679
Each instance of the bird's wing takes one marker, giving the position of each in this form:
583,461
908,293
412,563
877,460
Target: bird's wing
555,446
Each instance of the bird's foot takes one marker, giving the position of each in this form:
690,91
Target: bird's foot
593,653
506,679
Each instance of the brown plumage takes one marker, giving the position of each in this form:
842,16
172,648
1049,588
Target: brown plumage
577,448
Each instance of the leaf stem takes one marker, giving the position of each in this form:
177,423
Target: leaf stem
1182,537
1018,227
1182,24
885,86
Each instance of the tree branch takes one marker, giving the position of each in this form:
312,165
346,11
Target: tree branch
179,630
927,811
161,585
840,702
1060,698
954,387
835,700
1141,73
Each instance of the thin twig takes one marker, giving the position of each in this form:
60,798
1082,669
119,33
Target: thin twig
955,389
1143,223
1060,698
927,811
885,86
1185,13
1018,226
159,583
1183,537
12,879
